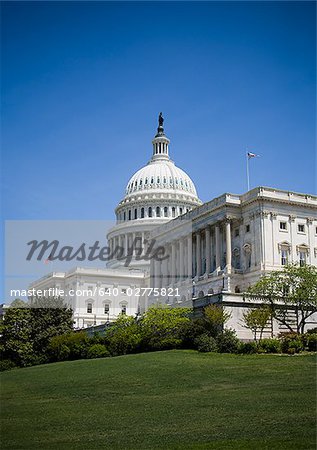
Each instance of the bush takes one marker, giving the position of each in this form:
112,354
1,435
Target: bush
312,342
248,348
98,351
228,342
69,346
291,343
6,364
270,346
206,343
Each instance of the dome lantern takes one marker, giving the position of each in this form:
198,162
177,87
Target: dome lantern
160,142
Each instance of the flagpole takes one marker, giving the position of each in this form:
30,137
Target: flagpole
248,171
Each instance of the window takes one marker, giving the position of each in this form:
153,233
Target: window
283,257
89,308
247,228
142,213
283,226
107,291
124,216
135,214
150,211
236,232
124,309
129,214
158,211
180,211
301,228
173,211
107,308
302,258
123,291
165,211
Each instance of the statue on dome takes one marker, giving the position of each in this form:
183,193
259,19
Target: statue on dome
161,120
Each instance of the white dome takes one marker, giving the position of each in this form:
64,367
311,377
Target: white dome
161,175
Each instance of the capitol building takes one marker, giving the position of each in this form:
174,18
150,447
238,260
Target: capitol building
210,252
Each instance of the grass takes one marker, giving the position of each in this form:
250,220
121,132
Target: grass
172,400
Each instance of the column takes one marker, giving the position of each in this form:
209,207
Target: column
173,261
228,246
126,244
189,257
181,259
218,262
198,253
152,272
208,248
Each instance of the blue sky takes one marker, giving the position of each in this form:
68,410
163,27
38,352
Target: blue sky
83,83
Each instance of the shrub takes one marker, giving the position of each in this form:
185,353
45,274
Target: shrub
291,343
206,343
312,342
193,329
248,348
6,364
98,351
77,346
228,342
270,346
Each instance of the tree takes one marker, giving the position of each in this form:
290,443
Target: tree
16,336
27,329
294,288
256,320
215,318
49,317
163,327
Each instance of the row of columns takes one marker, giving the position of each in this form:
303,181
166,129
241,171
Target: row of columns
186,256
170,212
126,242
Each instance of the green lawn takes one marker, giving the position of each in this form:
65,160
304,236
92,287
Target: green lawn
171,400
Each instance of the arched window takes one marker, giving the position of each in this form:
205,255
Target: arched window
201,294
158,211
107,308
173,211
135,213
129,214
150,211
89,308
165,211
142,213
124,216
180,211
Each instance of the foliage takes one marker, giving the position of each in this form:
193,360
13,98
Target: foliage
206,343
124,336
49,317
163,327
16,336
270,346
228,342
256,320
248,348
294,287
6,364
291,343
192,330
98,351
26,329
215,318
72,345
311,342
